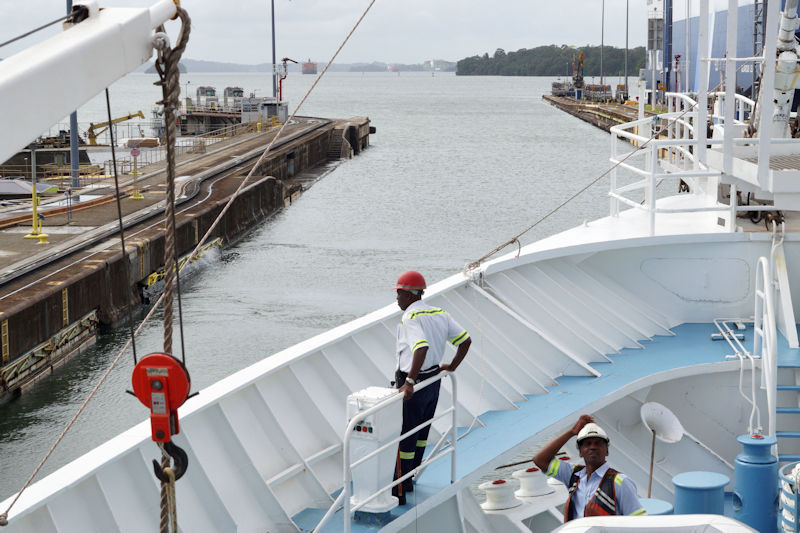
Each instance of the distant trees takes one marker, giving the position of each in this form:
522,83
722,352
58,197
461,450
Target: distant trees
552,60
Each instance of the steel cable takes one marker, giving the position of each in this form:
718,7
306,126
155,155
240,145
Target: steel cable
43,26
118,357
515,239
125,261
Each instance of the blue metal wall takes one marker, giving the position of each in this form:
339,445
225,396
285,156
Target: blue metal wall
718,27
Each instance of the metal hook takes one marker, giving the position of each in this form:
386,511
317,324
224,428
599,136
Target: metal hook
180,458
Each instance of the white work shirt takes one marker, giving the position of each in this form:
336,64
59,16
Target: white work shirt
625,493
423,325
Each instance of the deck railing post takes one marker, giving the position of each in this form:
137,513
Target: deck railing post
702,83
347,481
651,189
454,431
613,206
672,130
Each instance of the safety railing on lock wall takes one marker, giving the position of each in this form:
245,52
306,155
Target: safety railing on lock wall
195,144
668,148
436,453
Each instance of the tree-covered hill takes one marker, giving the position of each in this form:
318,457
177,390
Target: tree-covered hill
552,60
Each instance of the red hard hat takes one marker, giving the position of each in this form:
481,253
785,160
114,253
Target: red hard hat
410,280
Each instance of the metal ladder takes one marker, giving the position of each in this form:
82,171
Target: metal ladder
779,279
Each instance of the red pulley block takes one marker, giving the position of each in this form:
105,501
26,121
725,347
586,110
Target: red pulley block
162,383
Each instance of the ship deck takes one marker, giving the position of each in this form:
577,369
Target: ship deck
690,351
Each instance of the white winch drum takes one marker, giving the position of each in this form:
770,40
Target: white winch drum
532,483
499,495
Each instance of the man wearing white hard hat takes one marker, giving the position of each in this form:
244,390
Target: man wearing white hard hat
595,489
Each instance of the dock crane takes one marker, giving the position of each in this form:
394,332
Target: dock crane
94,129
577,71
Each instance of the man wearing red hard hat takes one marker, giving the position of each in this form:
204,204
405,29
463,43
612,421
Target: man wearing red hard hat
422,335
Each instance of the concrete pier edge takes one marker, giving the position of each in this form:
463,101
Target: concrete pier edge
48,323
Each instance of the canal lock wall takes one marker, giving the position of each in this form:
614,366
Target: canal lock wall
61,317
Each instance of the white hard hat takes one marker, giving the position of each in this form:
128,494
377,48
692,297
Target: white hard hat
592,430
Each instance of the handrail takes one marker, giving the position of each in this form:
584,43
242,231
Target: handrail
765,337
742,98
741,353
344,496
188,145
742,105
676,146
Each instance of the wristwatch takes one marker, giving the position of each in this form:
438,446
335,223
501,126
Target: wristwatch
410,381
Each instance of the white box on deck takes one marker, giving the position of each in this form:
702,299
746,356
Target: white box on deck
370,434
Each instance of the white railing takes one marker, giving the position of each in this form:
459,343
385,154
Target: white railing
435,454
668,144
765,337
184,145
741,353
743,107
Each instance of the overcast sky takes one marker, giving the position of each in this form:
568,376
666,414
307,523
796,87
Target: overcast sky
394,31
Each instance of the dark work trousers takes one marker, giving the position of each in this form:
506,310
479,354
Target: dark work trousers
420,408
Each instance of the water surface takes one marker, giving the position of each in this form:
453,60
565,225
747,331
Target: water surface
458,165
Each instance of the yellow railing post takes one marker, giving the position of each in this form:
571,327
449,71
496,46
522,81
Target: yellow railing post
135,195
34,234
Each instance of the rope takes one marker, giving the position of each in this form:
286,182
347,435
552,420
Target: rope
167,67
143,323
169,509
515,239
278,134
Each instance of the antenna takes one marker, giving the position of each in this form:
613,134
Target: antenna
663,424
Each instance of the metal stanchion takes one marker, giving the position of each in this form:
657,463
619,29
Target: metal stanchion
34,234
135,195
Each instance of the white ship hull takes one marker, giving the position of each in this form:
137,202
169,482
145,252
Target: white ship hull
265,444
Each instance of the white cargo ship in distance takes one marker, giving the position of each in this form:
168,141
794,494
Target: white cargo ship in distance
680,304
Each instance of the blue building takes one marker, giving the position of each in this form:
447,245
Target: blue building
668,21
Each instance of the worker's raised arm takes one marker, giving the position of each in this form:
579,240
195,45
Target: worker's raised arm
546,454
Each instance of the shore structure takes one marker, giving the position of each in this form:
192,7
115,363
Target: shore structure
53,297
604,115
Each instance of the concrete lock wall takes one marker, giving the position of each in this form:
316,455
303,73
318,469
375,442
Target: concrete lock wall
105,290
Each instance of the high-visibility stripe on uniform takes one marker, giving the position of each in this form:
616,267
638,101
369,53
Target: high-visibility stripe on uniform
639,512
419,344
434,311
458,339
553,469
602,503
605,499
422,443
619,478
407,455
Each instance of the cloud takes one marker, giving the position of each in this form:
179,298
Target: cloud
405,32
